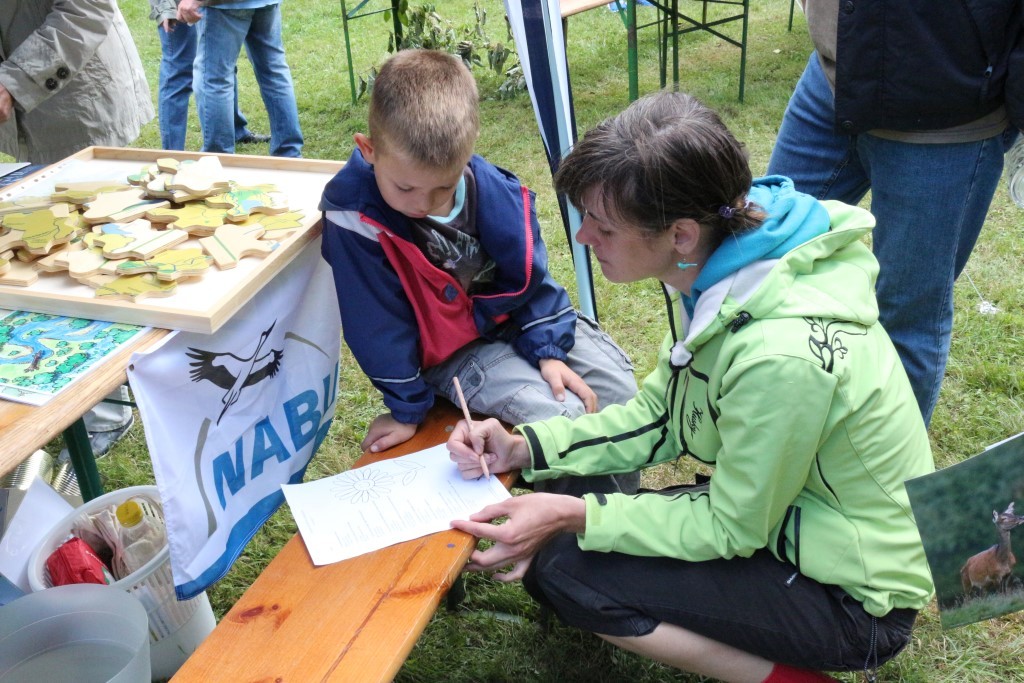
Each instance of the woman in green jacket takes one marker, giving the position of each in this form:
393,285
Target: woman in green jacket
801,552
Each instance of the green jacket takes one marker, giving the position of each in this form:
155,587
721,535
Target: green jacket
787,386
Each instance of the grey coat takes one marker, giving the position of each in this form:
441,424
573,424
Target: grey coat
75,76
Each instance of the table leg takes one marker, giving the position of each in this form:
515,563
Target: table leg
634,78
76,438
396,6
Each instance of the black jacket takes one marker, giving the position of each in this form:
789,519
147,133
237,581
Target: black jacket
927,64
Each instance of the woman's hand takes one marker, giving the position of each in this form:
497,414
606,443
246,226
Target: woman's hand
504,452
533,519
385,431
560,377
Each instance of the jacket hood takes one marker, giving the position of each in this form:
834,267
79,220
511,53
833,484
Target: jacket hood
793,218
830,275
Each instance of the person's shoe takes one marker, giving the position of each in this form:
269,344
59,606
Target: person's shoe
253,139
102,441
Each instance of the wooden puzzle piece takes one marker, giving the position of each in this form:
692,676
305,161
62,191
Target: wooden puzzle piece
83,263
145,174
26,256
241,201
24,204
137,239
57,260
195,218
168,265
200,179
37,231
233,242
19,274
5,261
168,165
122,206
130,287
81,193
157,189
277,226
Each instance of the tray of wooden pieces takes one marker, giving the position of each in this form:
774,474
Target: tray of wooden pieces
165,239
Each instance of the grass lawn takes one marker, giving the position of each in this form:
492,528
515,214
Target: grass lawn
497,634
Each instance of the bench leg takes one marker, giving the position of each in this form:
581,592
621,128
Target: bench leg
456,594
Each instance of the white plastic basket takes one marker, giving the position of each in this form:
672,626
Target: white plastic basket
188,621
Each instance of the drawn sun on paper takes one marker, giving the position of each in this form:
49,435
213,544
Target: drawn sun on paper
370,483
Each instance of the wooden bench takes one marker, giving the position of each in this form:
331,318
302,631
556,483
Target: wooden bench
355,620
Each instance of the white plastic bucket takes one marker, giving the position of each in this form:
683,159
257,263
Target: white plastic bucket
176,628
85,633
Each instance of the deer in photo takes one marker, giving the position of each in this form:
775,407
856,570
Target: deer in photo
990,569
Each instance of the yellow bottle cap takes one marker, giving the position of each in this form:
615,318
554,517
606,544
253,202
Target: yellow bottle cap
129,513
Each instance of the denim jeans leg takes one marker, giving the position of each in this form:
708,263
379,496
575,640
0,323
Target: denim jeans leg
178,52
241,123
927,220
808,150
930,202
266,52
221,34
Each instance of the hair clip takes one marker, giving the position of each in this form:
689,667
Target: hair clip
726,212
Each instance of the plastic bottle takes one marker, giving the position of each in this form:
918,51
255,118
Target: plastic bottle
142,533
1015,171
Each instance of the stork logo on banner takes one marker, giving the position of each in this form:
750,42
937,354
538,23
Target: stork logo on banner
232,372
232,415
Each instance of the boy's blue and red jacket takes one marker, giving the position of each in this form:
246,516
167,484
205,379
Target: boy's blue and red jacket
400,313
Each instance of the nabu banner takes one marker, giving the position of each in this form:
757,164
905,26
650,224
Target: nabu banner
230,417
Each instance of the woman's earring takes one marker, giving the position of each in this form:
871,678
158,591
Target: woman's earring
683,266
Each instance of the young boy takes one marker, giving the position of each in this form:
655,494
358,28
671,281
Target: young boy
441,271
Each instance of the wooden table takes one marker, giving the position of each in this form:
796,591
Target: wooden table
354,620
23,428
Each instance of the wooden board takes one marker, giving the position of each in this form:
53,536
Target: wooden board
201,305
354,620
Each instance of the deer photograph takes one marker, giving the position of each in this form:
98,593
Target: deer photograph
967,540
991,569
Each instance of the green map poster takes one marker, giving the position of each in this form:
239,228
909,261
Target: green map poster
43,354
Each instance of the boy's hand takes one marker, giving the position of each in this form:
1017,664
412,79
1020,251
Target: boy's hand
385,432
559,377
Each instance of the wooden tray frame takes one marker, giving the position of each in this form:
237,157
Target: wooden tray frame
163,312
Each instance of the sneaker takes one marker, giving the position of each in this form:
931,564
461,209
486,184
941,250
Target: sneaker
102,441
253,139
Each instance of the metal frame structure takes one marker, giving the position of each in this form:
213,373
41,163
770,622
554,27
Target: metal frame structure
357,12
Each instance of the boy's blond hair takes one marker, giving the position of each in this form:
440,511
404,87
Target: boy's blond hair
425,104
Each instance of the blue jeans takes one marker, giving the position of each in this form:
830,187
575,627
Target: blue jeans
222,32
929,200
178,52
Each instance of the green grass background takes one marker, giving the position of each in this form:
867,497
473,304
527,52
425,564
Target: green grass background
497,634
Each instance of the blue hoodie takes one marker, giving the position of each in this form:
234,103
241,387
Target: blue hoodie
793,218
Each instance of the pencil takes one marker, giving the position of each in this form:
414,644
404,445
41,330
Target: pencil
469,421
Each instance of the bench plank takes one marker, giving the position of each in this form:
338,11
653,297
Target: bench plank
355,620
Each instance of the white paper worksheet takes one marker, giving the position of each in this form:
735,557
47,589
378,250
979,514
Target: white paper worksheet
388,502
